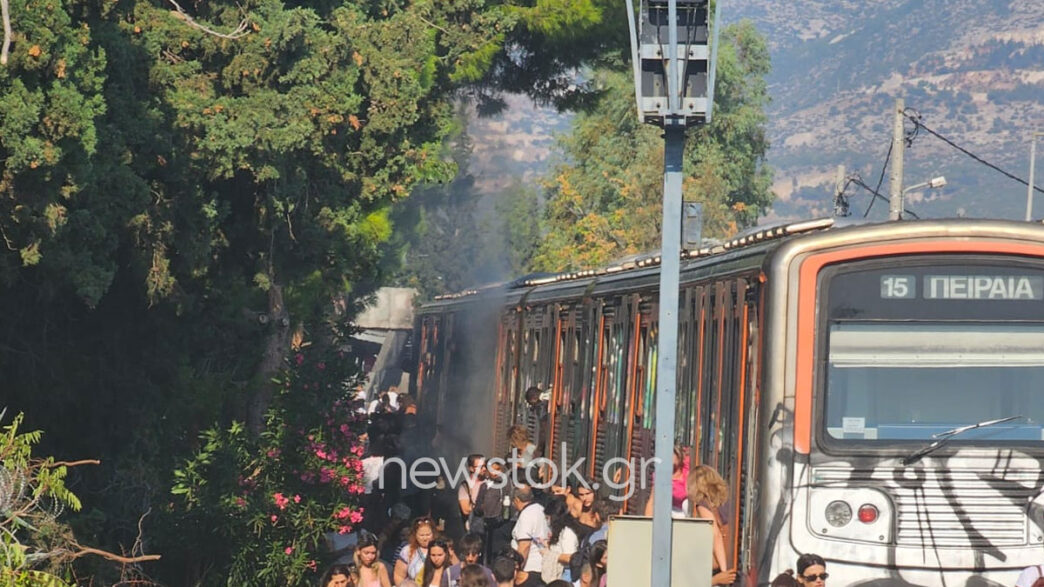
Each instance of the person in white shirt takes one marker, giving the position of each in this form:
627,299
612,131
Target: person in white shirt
531,532
562,542
1030,575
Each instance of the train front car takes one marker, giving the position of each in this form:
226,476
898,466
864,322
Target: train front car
905,383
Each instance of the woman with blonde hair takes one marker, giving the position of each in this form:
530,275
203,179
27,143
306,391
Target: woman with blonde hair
410,561
371,572
707,492
521,447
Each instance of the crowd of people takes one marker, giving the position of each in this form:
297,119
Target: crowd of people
496,528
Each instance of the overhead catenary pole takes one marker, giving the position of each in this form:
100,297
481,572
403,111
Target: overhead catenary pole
895,193
840,204
666,366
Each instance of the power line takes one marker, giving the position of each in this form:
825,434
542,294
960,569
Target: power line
916,118
859,182
880,180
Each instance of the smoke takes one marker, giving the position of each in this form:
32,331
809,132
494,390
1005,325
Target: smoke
460,419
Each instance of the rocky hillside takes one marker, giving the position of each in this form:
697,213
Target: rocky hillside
973,69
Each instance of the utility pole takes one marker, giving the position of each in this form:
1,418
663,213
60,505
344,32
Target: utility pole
672,77
895,193
1033,161
840,203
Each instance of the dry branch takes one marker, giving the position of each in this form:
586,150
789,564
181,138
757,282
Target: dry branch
7,33
241,31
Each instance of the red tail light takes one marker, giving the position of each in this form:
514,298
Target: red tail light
868,514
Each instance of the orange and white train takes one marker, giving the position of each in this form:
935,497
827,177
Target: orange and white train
872,393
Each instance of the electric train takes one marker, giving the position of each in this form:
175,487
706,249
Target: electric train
872,393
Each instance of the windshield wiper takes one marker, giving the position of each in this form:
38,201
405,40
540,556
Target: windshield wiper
944,437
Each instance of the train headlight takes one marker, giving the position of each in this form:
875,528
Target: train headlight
839,513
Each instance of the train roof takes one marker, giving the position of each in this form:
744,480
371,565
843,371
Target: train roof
637,268
745,251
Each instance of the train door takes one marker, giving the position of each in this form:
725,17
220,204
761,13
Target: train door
581,399
610,425
540,325
640,415
618,395
429,360
686,414
448,373
507,378
729,318
567,347
749,430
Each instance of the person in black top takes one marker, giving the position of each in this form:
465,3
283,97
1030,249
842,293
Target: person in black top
522,578
538,408
445,510
498,519
504,571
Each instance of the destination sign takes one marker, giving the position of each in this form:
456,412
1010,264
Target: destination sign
983,287
964,287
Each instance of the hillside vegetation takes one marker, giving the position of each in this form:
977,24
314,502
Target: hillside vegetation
973,70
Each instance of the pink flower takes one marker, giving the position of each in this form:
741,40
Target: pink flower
297,499
274,518
321,365
289,550
240,502
355,517
344,529
311,565
299,358
280,501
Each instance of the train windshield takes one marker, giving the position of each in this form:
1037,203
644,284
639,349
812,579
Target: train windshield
914,353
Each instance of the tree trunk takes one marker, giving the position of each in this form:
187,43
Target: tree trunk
275,350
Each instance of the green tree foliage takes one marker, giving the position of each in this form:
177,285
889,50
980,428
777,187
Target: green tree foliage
518,228
35,546
188,187
604,201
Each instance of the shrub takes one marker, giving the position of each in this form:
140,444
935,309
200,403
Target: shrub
270,499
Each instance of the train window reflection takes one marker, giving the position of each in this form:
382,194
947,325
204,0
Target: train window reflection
891,381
